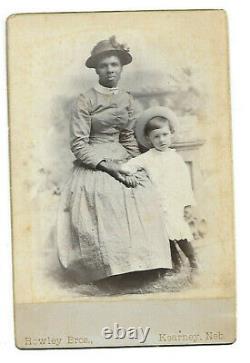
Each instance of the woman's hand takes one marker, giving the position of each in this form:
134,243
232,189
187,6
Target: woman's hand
130,181
137,174
113,169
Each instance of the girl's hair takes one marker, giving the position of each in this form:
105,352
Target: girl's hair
157,122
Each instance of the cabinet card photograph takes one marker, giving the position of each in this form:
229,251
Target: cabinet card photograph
121,179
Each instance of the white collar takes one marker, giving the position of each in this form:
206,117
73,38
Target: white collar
106,90
164,152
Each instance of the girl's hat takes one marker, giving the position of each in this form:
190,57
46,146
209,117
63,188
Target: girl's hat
147,115
109,47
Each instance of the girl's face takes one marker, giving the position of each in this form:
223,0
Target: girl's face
109,70
161,139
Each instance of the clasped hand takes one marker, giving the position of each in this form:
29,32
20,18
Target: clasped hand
114,169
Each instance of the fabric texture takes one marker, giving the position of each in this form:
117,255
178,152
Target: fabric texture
103,227
168,172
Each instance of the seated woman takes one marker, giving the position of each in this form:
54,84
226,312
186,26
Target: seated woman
107,224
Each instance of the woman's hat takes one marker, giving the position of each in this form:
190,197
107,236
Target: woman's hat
109,47
147,115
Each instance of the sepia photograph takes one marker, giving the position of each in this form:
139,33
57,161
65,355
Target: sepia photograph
121,178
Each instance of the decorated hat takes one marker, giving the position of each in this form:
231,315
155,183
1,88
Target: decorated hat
109,47
147,115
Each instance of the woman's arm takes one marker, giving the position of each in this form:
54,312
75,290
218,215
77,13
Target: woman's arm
127,135
79,132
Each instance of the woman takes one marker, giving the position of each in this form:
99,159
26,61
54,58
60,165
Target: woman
108,224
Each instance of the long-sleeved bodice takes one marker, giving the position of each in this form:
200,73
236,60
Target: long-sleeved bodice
102,126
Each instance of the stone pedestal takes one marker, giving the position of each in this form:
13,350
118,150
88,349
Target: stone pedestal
189,150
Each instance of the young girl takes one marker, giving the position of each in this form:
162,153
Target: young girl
169,173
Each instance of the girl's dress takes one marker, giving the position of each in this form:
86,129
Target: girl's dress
103,227
170,176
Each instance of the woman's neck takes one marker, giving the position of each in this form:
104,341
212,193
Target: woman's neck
106,90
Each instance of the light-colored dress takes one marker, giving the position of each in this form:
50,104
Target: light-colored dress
170,175
103,227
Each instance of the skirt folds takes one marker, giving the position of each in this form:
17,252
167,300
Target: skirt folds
105,228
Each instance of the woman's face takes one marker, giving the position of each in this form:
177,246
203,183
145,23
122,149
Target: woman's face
109,70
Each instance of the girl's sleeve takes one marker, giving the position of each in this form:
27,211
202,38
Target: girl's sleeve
135,164
79,133
127,135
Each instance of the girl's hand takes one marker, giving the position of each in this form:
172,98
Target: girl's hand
142,178
123,169
131,181
113,169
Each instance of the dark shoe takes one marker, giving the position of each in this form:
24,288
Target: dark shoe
193,263
177,269
188,251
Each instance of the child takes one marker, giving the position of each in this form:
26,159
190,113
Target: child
169,173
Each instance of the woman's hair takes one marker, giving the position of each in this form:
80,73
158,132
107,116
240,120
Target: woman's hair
158,122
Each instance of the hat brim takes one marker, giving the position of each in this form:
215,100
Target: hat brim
124,56
148,115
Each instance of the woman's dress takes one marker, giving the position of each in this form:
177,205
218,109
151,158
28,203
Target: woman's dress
105,228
